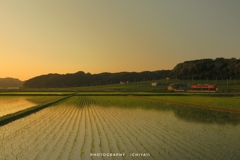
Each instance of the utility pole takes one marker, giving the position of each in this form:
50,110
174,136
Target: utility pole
227,85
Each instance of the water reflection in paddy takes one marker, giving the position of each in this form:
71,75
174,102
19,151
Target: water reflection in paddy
181,132
194,134
13,104
79,126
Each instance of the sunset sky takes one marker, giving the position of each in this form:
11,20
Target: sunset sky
65,36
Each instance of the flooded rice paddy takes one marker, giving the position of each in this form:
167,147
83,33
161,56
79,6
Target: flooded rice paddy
84,127
13,104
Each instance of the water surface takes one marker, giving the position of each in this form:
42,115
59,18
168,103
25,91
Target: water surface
82,125
13,104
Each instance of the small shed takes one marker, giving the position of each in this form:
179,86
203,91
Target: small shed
122,82
154,84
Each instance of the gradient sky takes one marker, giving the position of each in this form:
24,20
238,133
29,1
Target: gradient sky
65,36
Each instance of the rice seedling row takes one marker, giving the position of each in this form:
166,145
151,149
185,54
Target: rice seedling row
144,134
104,130
137,131
102,133
100,140
105,142
79,137
197,146
95,134
15,132
53,127
110,133
32,128
44,147
79,126
87,137
197,152
122,135
64,143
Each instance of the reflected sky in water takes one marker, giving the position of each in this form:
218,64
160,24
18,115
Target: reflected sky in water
185,113
186,132
13,104
126,124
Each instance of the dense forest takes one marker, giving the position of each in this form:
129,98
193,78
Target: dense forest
86,79
218,68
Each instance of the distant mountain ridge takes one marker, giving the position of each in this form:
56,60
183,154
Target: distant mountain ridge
10,82
87,79
219,68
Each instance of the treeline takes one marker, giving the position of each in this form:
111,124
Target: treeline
218,68
87,79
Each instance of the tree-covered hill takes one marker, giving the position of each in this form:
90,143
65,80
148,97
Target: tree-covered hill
10,82
218,68
86,79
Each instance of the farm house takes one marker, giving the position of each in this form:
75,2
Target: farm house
178,87
122,82
155,84
204,87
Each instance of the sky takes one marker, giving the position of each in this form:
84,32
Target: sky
66,36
